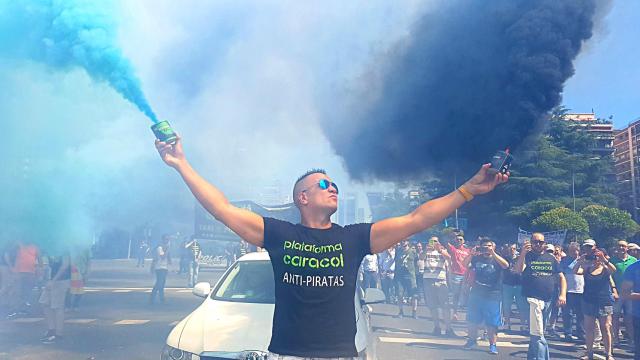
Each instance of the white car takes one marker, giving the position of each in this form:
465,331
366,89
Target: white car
234,321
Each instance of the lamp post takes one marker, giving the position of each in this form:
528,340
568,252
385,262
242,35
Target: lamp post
573,189
455,186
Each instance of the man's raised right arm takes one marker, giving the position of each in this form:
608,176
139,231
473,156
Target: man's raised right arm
248,225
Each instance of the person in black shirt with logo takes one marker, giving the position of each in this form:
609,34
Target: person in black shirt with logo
540,272
315,263
486,292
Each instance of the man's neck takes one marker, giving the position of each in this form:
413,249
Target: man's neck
319,222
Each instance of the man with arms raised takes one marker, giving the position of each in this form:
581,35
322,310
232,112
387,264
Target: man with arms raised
315,263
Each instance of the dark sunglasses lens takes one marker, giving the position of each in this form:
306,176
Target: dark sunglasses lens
335,186
324,184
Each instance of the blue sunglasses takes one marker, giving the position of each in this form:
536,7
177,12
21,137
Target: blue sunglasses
324,184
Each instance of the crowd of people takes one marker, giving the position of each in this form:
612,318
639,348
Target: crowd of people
594,291
58,276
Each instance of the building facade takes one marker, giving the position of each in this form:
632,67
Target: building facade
627,166
602,132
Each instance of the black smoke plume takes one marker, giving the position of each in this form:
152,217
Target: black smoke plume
471,78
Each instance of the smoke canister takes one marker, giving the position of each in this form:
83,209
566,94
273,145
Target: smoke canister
501,162
164,132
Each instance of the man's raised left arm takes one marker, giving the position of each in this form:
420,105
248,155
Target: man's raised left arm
388,232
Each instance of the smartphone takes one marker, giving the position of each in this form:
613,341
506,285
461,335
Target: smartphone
501,162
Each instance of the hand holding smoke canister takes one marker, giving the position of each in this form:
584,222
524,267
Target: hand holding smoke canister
489,176
164,132
501,162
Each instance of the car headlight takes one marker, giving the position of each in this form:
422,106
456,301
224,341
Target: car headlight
171,353
242,355
253,355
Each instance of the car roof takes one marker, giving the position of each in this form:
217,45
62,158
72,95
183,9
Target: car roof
255,256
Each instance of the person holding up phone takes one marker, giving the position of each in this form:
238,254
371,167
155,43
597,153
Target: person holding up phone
436,290
485,297
598,297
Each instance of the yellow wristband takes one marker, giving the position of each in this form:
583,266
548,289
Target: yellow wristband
465,193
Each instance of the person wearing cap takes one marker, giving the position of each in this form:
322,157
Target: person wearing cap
552,319
485,297
540,272
622,307
599,294
633,249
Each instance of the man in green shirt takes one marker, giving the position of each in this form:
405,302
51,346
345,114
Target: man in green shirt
621,259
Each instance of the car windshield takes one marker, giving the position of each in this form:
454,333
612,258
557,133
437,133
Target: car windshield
247,281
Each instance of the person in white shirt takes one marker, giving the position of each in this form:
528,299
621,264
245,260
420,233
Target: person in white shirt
436,292
160,266
386,270
370,270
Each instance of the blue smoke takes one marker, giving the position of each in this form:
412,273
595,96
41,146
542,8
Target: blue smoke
69,34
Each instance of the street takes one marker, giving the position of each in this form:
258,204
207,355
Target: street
115,321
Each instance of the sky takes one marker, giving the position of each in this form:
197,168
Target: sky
240,81
607,73
237,80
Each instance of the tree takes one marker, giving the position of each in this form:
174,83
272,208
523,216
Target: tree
391,204
562,219
607,225
547,172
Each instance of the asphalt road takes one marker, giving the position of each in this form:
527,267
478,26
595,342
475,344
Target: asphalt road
115,321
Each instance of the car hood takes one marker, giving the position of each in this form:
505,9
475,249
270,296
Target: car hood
224,326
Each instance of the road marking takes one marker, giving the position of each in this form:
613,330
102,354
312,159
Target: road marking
79,321
174,323
410,331
513,336
134,288
185,291
131,322
27,320
399,340
122,290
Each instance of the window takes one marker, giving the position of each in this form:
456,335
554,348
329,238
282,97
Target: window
247,281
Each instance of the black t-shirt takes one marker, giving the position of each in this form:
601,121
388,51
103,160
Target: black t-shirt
315,272
597,288
406,262
539,276
487,276
509,275
55,262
